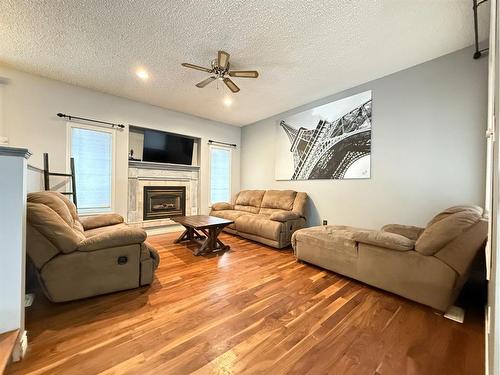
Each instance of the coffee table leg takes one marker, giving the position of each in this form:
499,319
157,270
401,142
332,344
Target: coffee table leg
222,245
186,235
197,235
218,242
204,245
213,239
211,243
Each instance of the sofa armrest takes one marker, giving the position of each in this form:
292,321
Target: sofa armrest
113,238
383,239
221,206
408,231
299,204
97,221
284,216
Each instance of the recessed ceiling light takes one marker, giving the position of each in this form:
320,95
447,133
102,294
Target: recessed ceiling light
142,74
227,101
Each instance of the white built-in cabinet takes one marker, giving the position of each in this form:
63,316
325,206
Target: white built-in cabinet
13,169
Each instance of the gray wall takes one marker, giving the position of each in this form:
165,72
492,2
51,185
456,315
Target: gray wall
428,147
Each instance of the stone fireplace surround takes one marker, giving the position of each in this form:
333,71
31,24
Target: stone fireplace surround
141,174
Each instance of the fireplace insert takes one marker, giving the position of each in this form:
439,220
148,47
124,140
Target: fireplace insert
162,202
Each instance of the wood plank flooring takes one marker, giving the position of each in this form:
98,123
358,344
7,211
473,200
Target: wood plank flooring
7,342
251,310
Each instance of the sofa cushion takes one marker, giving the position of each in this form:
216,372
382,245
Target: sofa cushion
445,227
113,238
229,215
452,210
59,204
270,211
460,252
300,203
100,230
409,231
96,221
54,227
281,199
249,200
220,206
383,239
284,216
336,239
260,225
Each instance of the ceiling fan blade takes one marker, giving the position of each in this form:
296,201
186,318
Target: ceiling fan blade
244,73
223,59
186,65
205,82
232,86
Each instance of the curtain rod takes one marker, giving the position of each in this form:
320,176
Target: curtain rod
222,143
70,117
478,52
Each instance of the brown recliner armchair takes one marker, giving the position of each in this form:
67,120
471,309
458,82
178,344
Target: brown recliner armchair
84,257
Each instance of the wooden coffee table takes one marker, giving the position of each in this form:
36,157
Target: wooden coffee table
210,228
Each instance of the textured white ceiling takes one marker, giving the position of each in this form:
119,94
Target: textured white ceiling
303,50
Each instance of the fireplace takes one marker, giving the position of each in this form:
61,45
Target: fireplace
162,202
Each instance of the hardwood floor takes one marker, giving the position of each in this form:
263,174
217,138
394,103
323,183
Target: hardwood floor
251,310
7,343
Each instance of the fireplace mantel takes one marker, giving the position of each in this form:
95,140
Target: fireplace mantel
167,166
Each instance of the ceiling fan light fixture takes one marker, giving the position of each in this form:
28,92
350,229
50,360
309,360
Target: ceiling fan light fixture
220,70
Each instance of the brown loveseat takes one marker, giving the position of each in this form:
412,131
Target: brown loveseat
428,265
83,257
267,216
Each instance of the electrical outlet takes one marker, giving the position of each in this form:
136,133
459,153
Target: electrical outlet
325,222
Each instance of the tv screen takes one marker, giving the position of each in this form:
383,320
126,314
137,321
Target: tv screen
163,147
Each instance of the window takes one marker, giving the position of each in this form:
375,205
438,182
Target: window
93,151
220,174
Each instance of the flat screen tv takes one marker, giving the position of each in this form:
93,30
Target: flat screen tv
163,147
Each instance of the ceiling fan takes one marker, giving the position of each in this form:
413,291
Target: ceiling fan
220,70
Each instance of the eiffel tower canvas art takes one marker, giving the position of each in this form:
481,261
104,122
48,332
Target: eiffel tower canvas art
331,141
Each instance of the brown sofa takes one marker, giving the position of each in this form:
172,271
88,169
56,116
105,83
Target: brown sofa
266,216
428,265
83,257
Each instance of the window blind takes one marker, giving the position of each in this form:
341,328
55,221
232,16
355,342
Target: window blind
220,174
93,154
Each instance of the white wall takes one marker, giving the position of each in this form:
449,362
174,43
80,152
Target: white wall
31,104
428,147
